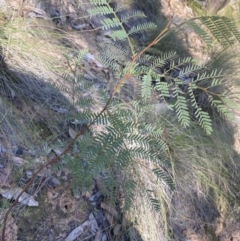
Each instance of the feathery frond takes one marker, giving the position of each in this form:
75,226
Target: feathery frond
223,29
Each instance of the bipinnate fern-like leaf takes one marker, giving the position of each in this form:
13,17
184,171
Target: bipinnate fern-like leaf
179,80
141,140
156,132
161,175
122,159
142,27
114,20
146,86
101,9
132,14
119,34
163,59
202,116
221,106
129,193
204,120
229,103
181,108
112,55
201,32
162,88
190,70
99,2
85,101
222,28
109,23
81,55
87,116
152,201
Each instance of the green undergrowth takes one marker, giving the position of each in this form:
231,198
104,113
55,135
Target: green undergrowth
208,163
32,60
204,170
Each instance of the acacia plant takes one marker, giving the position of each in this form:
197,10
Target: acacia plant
126,139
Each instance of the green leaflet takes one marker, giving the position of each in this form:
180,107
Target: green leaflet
152,201
222,29
103,10
132,14
202,116
146,87
142,27
202,33
181,108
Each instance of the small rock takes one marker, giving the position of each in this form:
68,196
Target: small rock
29,173
77,194
95,198
77,26
54,181
2,149
104,237
93,223
77,232
87,194
99,216
19,152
